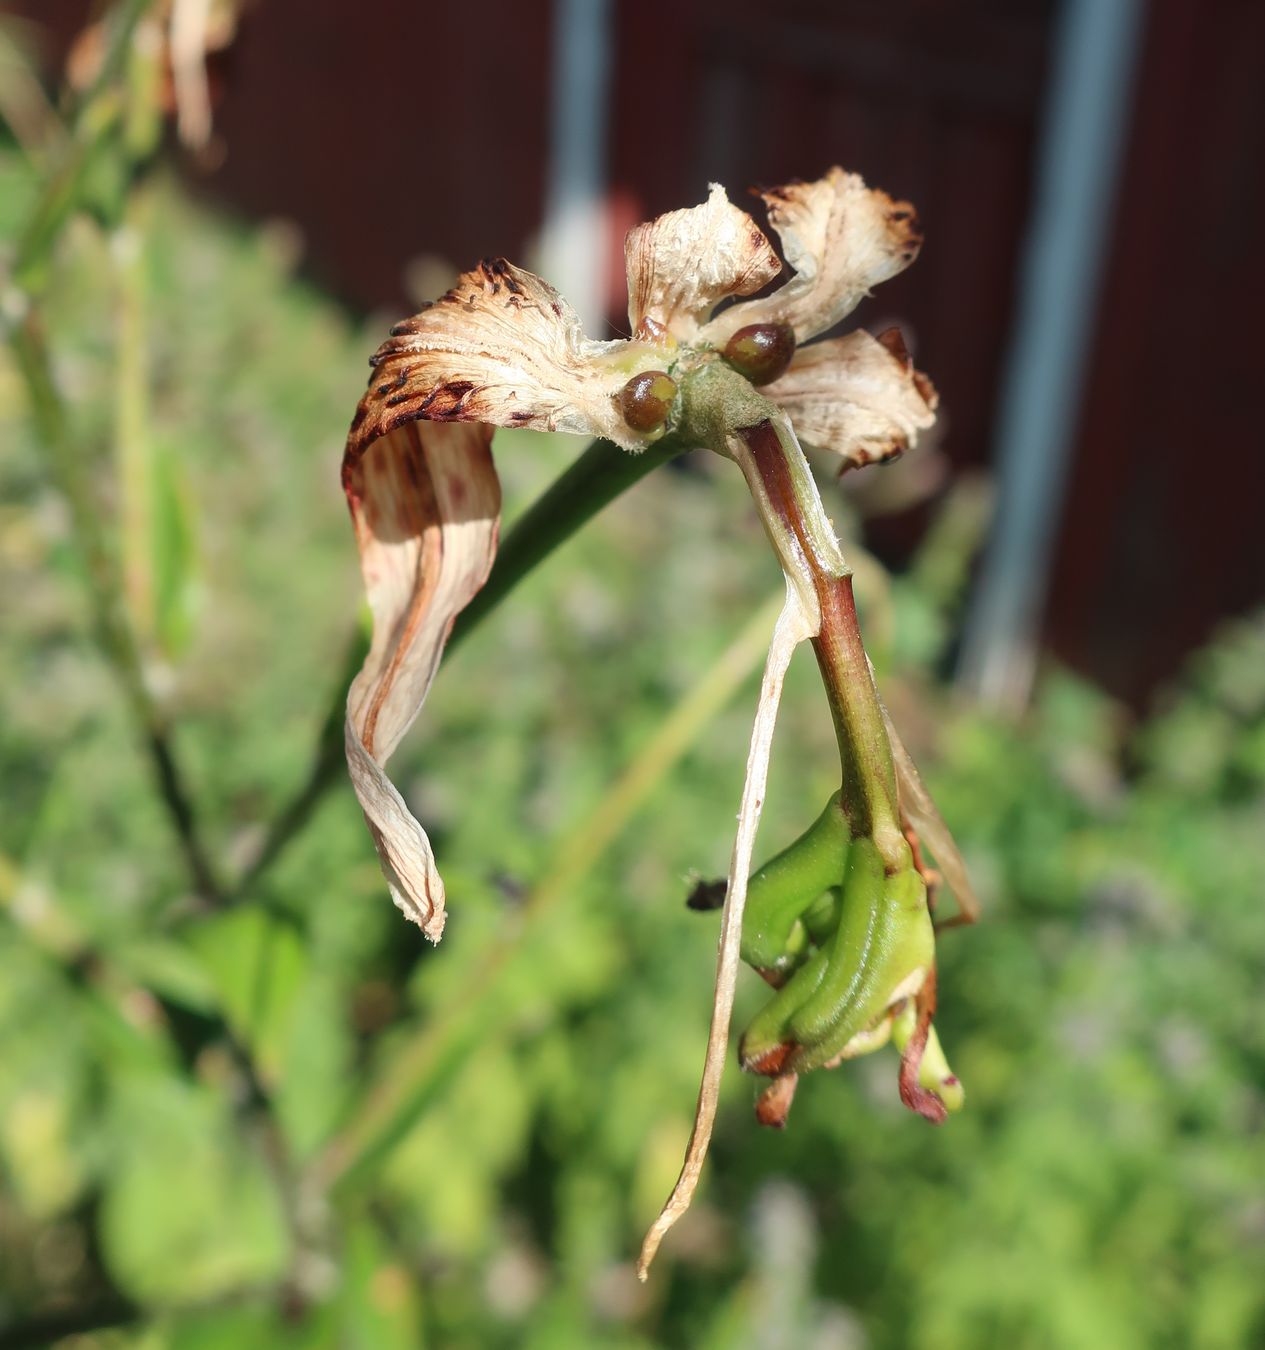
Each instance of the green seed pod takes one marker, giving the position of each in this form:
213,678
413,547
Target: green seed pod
847,951
821,918
898,944
761,351
645,401
788,884
767,1041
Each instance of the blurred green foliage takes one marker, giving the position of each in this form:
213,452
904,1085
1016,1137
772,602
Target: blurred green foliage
285,1122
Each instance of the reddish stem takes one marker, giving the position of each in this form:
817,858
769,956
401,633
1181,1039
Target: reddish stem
869,779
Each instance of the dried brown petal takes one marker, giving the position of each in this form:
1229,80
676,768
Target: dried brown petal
426,504
504,347
841,239
917,806
855,396
683,264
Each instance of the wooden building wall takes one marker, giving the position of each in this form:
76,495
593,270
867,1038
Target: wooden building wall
397,129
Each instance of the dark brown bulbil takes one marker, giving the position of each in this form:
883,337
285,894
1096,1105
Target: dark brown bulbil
761,351
646,400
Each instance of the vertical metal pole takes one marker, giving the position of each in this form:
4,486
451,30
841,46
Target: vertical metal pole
573,237
1085,123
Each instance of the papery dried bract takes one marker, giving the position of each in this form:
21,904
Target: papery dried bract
682,264
500,349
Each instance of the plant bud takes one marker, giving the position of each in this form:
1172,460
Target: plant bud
761,351
646,400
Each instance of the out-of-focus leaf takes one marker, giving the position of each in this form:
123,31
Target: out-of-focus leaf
188,1210
379,1308
316,1077
263,1324
35,1143
258,965
169,969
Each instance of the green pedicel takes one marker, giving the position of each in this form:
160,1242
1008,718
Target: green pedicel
787,885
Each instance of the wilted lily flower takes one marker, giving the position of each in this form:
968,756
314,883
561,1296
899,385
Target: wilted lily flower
855,963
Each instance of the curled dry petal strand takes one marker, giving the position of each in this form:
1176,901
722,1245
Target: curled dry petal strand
501,348
682,264
426,503
793,626
856,396
841,238
504,347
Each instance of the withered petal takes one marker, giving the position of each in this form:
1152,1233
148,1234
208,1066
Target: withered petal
425,502
841,239
503,347
683,264
858,396
920,810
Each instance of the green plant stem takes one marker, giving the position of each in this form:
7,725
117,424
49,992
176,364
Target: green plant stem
782,482
408,1083
105,593
98,113
724,412
601,473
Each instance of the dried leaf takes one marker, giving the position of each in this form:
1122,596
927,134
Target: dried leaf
916,804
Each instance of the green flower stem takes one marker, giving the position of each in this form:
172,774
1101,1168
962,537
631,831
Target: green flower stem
724,411
869,778
98,114
601,473
96,118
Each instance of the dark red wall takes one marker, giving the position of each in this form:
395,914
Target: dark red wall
1164,529
398,128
